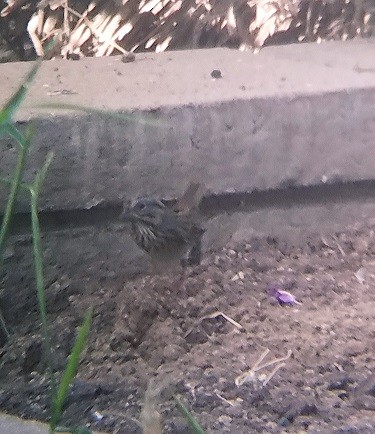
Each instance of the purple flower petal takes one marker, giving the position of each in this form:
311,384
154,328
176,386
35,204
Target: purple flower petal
274,289
286,297
283,297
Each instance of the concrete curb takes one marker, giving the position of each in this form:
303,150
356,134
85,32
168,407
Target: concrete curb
290,116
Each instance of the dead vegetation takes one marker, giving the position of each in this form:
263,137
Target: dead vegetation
104,27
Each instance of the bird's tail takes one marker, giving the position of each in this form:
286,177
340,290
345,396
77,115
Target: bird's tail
191,198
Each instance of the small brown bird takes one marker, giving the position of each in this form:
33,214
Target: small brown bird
166,233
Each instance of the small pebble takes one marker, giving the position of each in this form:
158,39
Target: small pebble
216,73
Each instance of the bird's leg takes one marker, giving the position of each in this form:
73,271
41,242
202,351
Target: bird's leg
179,282
195,253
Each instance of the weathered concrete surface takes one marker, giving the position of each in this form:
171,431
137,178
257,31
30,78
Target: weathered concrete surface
292,115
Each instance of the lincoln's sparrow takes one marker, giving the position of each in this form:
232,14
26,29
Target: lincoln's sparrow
166,233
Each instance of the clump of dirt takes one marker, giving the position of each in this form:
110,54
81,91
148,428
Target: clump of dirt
201,334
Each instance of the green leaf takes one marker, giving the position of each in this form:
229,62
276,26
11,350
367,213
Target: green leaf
70,370
15,134
8,111
194,425
38,181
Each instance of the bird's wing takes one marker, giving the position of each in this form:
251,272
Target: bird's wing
180,228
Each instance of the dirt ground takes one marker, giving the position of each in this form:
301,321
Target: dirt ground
164,334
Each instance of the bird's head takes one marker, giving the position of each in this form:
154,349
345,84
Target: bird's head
144,210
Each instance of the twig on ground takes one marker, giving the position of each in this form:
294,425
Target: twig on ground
250,375
215,315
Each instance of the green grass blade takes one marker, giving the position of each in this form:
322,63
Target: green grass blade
23,186
194,425
38,264
5,224
10,108
6,127
15,185
70,370
16,134
42,174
